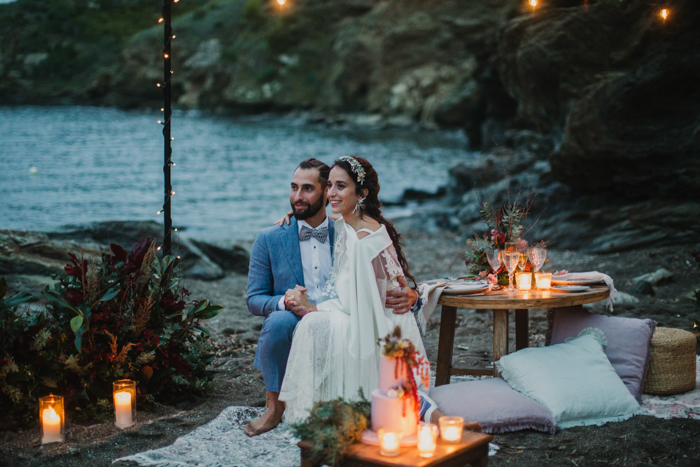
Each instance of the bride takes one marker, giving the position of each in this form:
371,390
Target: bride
334,351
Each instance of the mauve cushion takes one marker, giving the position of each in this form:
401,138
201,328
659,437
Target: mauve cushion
493,403
629,341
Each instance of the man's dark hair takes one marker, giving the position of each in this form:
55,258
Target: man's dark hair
323,169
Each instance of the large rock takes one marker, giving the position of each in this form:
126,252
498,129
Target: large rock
619,85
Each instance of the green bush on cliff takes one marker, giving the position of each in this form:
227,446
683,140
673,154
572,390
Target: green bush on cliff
124,317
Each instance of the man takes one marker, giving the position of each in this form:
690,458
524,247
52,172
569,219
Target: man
288,257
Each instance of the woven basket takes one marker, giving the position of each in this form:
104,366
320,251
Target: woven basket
672,363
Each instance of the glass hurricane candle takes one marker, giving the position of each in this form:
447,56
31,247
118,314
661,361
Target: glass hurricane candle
52,419
124,392
451,428
524,280
427,439
389,442
543,280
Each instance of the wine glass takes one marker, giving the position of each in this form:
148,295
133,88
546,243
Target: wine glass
537,256
494,258
510,246
510,261
523,250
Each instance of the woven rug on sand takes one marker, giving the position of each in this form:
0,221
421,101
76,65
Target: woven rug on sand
679,406
222,443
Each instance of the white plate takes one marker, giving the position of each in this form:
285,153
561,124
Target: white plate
570,288
462,288
576,282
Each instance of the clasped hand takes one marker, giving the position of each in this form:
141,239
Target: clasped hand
297,301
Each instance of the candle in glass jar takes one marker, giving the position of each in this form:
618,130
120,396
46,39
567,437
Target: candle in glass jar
51,422
389,443
543,280
524,281
451,428
122,408
427,439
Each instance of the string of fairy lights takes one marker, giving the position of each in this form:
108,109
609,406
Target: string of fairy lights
663,12
165,85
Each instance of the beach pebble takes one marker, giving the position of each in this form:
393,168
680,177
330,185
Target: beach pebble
654,278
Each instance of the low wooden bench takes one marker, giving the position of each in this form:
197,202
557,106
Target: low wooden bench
472,450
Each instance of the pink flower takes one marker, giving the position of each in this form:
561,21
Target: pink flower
492,279
483,274
561,273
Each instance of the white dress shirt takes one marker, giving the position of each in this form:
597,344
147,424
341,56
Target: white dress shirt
316,261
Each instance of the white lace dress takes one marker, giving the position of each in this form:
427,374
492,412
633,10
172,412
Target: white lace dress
334,351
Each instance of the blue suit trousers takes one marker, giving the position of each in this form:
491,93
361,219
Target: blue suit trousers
273,347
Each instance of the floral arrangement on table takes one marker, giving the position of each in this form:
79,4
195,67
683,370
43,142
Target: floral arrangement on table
334,426
504,224
126,317
409,362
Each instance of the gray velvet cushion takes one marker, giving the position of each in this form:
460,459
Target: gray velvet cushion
629,341
493,403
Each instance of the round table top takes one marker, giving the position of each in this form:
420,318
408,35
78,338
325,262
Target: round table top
502,299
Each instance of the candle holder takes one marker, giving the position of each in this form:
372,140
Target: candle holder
53,418
124,392
524,281
389,442
543,280
451,429
427,439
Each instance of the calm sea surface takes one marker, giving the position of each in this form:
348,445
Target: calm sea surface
74,165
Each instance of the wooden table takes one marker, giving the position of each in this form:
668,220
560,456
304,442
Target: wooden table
500,302
472,450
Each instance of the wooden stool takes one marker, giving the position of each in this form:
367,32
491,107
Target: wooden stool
672,363
472,450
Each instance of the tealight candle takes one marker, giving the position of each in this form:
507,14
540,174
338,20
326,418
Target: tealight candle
451,429
524,280
389,442
124,402
52,415
427,439
543,280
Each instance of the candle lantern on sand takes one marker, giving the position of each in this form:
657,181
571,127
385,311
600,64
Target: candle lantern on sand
52,419
124,392
451,429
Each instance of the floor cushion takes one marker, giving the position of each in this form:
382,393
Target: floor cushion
628,347
494,404
573,380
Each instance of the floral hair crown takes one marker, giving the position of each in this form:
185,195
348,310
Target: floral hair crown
355,166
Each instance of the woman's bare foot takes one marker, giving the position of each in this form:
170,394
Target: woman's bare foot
269,420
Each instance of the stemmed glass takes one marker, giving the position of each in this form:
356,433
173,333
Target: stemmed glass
537,257
494,258
510,261
522,249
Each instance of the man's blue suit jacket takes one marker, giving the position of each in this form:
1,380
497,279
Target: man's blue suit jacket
275,266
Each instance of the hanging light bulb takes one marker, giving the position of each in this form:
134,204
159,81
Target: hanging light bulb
664,14
158,84
161,20
166,55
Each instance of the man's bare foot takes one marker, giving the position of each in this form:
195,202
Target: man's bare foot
265,423
270,419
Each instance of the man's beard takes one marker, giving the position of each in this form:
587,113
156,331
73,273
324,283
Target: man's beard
310,211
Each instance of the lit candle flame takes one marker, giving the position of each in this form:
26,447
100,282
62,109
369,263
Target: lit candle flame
533,3
281,2
664,14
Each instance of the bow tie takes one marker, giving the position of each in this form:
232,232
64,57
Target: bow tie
306,233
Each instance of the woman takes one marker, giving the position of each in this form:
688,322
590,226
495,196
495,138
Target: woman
334,351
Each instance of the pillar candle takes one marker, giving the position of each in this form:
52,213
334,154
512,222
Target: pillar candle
51,423
122,409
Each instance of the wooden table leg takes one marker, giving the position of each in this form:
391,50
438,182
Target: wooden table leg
500,336
448,320
522,329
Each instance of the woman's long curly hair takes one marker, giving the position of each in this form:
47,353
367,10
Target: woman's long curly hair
373,207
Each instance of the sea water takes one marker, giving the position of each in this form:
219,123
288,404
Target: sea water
74,165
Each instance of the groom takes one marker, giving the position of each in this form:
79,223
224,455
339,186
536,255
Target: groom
282,258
